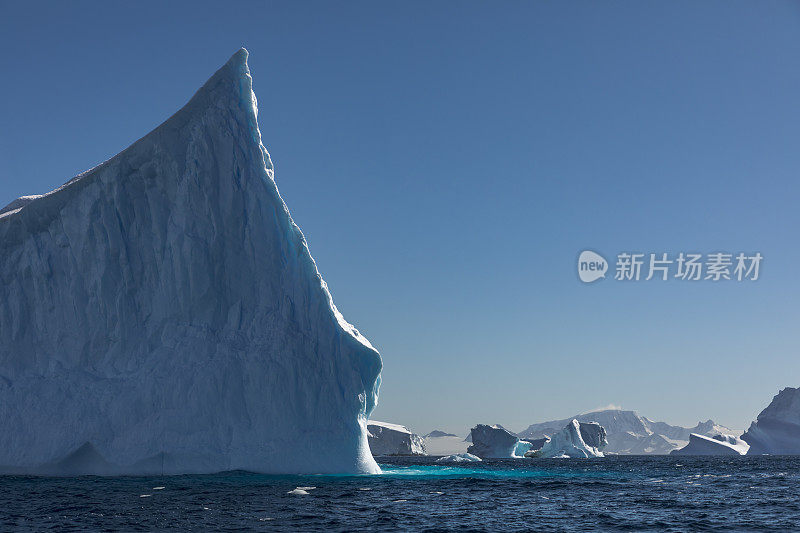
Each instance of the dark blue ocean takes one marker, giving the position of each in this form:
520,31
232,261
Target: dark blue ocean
610,494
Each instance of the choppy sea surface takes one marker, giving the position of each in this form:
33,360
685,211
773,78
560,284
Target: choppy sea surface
614,493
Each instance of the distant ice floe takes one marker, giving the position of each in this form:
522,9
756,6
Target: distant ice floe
459,458
301,491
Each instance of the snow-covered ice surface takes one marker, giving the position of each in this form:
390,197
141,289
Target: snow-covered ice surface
496,442
162,313
630,433
716,445
393,439
776,431
570,441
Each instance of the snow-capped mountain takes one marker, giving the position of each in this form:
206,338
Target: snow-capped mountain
630,433
436,433
442,443
162,313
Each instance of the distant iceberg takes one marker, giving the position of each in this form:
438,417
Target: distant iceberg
628,432
716,445
575,440
776,431
393,439
496,442
162,314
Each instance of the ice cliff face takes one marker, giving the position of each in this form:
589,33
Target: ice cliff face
161,312
393,439
630,433
575,440
776,431
593,434
716,445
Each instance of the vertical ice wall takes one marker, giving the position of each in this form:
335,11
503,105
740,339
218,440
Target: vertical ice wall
162,312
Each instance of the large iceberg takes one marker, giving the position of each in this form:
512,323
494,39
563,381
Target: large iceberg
577,440
630,433
162,313
716,445
393,439
776,431
496,442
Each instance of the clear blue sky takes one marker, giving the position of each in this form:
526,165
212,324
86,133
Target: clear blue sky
447,162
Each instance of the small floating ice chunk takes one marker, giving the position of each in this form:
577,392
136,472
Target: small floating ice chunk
306,488
459,458
158,488
145,495
364,488
436,492
399,501
298,492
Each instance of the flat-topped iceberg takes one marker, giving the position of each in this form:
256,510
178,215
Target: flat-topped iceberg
162,313
393,439
576,440
776,431
716,445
